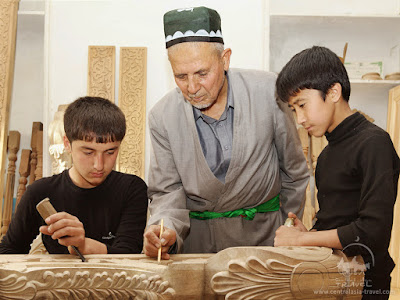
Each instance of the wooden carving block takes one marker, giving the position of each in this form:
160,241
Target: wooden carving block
234,273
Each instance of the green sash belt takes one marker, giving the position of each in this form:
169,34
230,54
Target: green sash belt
247,213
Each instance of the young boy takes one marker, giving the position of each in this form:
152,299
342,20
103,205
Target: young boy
99,210
356,174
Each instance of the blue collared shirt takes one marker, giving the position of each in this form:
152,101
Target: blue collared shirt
216,137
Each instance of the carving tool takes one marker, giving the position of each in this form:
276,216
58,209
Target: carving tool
161,232
45,209
289,222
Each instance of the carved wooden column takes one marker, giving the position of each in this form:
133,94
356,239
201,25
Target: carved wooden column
24,169
101,72
393,128
13,147
36,126
39,148
132,101
8,29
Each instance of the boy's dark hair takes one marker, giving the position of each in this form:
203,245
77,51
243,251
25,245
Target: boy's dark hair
315,68
94,118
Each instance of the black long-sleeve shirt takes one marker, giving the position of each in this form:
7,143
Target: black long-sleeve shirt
356,177
113,213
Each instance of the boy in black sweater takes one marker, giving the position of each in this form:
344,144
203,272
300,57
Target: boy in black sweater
100,211
356,174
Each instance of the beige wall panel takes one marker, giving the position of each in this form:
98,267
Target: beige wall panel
132,101
393,128
101,72
8,27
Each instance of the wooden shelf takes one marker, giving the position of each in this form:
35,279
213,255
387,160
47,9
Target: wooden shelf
31,13
386,83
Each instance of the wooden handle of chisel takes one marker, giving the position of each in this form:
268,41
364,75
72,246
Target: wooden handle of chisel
45,208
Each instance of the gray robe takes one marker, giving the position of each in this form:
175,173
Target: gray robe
267,159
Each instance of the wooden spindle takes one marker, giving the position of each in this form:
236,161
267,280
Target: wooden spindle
24,169
36,126
39,149
13,147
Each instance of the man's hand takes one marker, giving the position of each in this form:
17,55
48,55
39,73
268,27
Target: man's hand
152,242
66,228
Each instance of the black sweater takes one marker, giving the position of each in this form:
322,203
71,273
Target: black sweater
356,177
113,213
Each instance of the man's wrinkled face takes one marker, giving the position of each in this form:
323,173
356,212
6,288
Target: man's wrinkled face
199,71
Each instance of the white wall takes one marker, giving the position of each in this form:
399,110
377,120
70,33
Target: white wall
28,94
74,25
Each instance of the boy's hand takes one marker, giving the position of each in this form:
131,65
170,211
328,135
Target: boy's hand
290,236
152,242
297,223
66,228
287,236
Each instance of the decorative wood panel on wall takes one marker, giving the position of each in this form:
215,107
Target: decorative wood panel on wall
393,128
132,101
8,29
101,72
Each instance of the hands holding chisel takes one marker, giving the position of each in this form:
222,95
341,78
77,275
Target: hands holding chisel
69,231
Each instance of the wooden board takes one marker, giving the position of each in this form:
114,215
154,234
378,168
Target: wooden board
101,72
132,101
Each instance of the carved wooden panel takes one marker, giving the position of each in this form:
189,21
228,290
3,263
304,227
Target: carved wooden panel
234,273
101,72
8,29
132,101
14,138
393,128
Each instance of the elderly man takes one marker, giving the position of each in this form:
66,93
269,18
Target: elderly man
227,165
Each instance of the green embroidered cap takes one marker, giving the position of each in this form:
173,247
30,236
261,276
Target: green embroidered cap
195,24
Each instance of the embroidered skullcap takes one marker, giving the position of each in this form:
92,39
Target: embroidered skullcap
195,24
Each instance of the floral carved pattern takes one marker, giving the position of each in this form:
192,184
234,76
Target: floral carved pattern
101,73
132,101
82,285
275,279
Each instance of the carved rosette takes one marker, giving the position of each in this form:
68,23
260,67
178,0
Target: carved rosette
101,73
79,285
132,101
